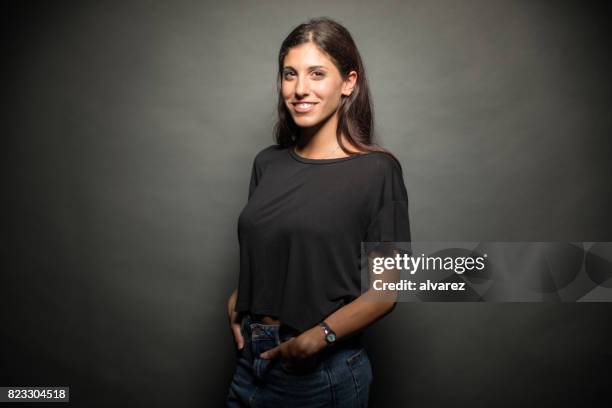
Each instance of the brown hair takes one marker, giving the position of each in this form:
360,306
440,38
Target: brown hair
355,116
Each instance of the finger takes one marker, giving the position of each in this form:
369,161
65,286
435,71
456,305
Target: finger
271,354
238,339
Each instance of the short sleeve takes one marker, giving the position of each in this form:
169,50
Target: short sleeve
389,214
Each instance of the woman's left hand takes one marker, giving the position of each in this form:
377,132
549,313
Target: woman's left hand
303,346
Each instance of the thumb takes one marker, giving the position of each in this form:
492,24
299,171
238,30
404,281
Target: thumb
238,336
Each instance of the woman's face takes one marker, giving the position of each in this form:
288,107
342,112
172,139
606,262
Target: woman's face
312,86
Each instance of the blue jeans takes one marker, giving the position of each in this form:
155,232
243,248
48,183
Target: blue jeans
339,376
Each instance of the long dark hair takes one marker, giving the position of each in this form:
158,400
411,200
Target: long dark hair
355,116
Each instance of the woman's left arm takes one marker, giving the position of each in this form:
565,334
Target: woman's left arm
346,321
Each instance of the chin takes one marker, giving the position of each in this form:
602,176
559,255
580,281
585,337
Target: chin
305,122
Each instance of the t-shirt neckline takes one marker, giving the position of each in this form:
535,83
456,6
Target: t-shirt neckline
299,158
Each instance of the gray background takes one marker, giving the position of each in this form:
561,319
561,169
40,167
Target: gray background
130,129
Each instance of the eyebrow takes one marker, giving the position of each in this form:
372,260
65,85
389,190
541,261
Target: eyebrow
309,68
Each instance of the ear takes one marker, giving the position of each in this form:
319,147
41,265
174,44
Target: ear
349,83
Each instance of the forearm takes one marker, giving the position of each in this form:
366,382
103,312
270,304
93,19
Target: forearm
359,314
346,321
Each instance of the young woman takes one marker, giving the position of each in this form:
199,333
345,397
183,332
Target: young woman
314,196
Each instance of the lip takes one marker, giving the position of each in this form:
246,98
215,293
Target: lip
302,110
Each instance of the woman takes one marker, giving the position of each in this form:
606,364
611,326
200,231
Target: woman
325,187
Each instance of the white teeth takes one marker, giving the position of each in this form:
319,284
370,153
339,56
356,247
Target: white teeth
304,105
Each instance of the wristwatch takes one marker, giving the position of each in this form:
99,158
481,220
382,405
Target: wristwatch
330,335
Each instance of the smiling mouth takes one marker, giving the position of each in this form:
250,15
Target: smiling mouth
303,107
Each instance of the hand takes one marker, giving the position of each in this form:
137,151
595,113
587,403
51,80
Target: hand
301,347
234,320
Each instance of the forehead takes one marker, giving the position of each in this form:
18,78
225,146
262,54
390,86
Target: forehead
305,55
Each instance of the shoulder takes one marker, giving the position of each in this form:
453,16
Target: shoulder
383,163
386,178
268,154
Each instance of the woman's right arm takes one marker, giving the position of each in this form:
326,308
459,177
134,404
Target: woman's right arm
234,319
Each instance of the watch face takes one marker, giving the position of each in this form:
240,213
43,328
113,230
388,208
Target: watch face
331,337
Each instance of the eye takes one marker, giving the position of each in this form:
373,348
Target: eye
318,74
287,74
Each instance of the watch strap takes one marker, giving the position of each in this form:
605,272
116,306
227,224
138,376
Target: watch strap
330,335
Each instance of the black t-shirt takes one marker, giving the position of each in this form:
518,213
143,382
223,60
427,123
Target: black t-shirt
300,233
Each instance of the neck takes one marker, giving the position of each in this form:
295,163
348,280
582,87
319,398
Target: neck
321,139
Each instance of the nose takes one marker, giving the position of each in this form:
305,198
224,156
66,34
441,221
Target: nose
301,87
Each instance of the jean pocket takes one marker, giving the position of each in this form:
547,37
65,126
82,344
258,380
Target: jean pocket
361,370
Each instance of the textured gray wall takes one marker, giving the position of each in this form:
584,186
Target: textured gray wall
130,131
